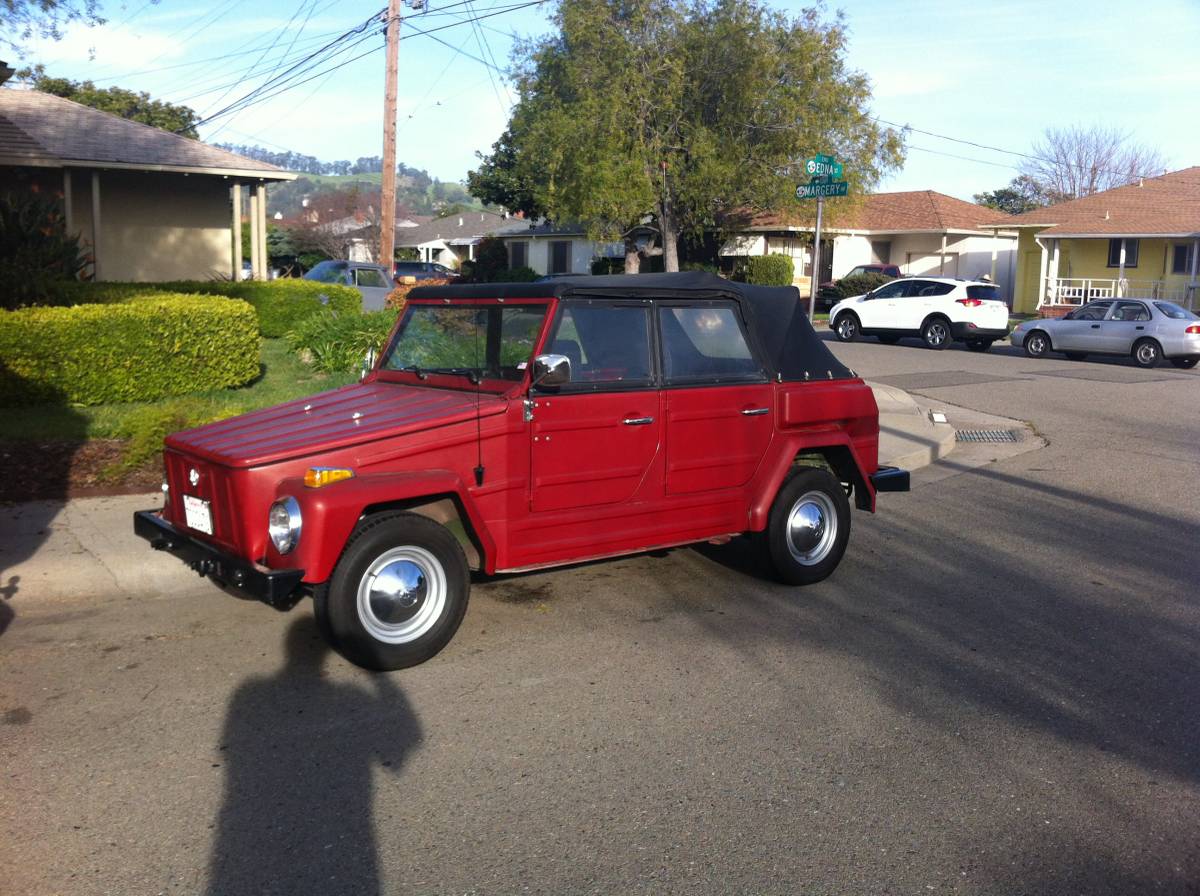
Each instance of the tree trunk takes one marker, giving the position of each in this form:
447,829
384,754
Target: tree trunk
633,261
670,236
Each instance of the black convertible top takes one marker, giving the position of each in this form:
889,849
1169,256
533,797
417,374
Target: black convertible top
774,315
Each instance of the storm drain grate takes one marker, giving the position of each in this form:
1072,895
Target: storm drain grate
986,435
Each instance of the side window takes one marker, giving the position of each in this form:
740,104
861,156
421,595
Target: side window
893,290
705,344
608,345
368,277
930,288
1093,311
1131,311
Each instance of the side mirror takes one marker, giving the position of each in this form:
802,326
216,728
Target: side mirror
551,370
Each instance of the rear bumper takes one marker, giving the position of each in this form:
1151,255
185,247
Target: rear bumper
890,479
964,330
279,588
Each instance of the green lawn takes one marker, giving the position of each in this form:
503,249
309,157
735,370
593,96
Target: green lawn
283,378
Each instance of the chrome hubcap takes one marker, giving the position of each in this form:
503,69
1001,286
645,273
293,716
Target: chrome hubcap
845,328
811,528
402,595
1147,353
937,334
1037,345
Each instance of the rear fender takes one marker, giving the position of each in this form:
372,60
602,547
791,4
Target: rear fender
328,515
839,455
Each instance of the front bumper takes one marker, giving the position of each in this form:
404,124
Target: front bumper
279,588
964,330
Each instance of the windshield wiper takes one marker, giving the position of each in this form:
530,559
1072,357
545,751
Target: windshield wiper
413,368
471,373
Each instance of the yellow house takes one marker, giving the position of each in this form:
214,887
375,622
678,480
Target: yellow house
1137,241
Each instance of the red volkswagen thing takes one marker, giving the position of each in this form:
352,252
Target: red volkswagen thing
509,427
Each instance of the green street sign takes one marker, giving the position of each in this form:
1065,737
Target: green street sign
823,166
819,190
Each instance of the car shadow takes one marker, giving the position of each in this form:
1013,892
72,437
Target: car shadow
300,751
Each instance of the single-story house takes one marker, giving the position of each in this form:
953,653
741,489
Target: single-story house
1139,241
148,204
452,239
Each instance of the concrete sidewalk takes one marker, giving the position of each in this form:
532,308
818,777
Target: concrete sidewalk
55,552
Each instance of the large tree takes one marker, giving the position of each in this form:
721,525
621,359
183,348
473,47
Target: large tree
1077,161
1022,194
22,20
115,100
684,110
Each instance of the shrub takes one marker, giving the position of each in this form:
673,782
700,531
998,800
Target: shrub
491,260
36,253
153,346
334,342
281,304
770,270
859,284
516,275
146,427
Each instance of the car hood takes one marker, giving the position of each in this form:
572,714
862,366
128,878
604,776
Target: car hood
360,413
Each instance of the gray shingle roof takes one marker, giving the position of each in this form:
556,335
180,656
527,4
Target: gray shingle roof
38,128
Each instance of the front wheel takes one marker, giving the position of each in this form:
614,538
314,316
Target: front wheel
809,527
1147,353
846,327
936,333
398,593
1184,363
1037,344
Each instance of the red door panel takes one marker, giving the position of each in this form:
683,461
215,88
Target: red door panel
716,435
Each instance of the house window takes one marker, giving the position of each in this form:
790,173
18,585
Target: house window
518,255
560,257
1181,258
1131,253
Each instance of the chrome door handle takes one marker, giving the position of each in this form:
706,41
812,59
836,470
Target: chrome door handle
637,421
755,412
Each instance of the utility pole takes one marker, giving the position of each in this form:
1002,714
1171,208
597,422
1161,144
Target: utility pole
387,214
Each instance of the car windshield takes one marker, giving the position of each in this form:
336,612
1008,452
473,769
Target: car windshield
327,272
1175,312
475,341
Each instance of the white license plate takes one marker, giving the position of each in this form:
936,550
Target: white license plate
197,514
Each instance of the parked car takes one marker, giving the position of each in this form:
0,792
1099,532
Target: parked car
827,294
1145,329
424,270
939,310
515,426
371,280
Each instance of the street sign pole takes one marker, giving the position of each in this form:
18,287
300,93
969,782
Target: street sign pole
815,273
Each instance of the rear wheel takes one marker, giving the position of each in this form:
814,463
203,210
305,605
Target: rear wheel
846,327
809,527
936,333
1077,356
1037,344
1184,363
979,345
398,593
889,340
1147,353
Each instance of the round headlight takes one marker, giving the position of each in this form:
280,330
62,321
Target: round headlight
283,524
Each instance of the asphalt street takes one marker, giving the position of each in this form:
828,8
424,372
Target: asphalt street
997,693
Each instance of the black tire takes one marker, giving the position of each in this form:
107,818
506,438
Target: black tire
804,547
378,628
846,326
889,340
1184,363
1146,353
1037,344
936,333
978,345
1076,356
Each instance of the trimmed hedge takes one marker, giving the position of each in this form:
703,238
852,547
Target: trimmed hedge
859,284
770,270
281,304
149,347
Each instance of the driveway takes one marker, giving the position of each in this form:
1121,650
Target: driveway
997,693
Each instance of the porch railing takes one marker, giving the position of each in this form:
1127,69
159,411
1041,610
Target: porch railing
1078,290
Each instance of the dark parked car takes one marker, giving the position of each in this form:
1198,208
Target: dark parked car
371,280
424,270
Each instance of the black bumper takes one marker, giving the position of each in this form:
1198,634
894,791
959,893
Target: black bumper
890,479
279,588
966,331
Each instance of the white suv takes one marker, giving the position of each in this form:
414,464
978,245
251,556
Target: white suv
938,309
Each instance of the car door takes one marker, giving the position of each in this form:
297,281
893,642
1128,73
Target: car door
1126,325
594,441
1080,332
717,399
922,299
878,309
373,285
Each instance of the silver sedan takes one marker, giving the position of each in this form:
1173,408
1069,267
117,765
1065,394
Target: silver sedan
1147,330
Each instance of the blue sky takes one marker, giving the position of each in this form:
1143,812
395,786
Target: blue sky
996,75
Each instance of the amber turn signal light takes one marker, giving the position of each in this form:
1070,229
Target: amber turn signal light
319,477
